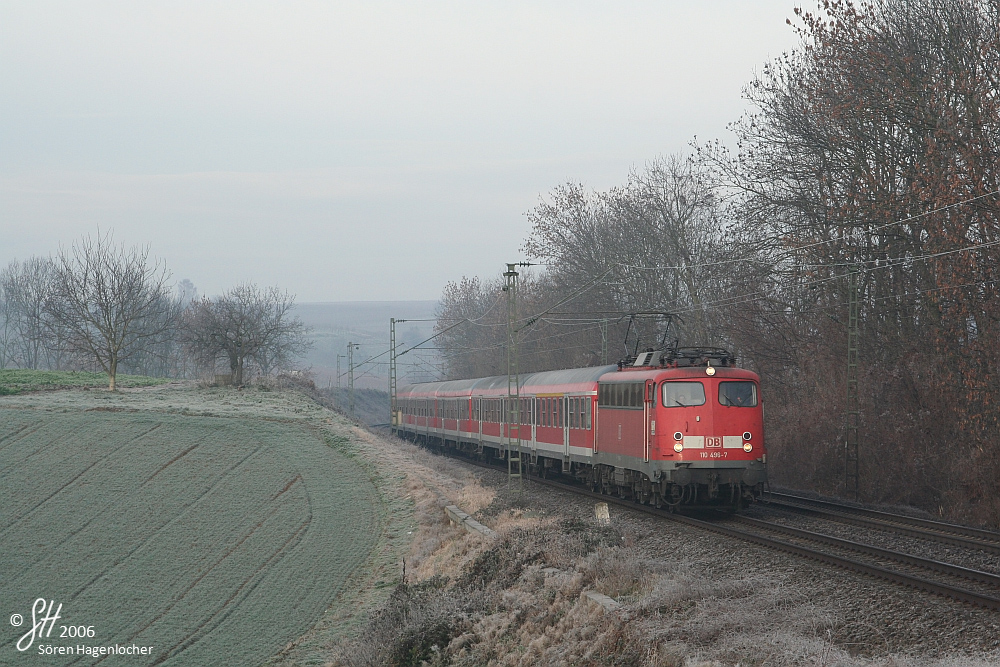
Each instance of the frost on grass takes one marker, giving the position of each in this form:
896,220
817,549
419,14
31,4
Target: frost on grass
516,599
217,540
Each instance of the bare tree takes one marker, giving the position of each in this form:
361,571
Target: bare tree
247,325
876,145
6,332
658,240
108,300
25,288
163,356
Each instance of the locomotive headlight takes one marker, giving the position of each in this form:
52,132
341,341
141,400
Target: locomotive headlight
746,435
678,447
678,436
747,447
709,371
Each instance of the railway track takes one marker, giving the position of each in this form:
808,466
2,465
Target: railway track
915,577
944,533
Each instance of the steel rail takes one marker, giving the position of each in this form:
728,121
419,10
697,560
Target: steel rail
927,563
921,533
936,588
941,526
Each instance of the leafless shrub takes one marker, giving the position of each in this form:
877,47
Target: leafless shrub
246,325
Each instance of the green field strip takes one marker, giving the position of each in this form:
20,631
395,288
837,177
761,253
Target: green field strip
16,426
181,592
197,541
13,460
299,589
78,455
232,604
21,380
79,511
156,569
217,540
219,591
104,545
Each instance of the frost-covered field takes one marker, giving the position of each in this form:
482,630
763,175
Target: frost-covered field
214,525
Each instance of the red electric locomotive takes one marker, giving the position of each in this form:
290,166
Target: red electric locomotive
681,427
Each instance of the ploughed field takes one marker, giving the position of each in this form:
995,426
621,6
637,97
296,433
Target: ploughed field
216,536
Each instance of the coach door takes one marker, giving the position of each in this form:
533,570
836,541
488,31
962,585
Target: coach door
649,418
564,420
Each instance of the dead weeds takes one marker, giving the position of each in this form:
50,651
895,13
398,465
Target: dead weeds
517,599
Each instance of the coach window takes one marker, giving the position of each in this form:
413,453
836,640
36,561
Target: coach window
587,418
683,394
738,394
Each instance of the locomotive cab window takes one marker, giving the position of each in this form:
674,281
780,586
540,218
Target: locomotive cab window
738,394
683,394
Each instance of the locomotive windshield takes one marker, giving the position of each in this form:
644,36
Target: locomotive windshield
738,394
683,394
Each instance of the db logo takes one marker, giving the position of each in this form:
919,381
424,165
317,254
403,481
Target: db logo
713,442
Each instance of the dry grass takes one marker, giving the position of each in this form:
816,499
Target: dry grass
516,599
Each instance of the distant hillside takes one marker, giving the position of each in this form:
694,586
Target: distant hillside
367,322
371,406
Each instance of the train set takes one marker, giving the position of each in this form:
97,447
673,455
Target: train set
672,428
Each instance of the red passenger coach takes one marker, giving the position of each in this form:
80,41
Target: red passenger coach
676,427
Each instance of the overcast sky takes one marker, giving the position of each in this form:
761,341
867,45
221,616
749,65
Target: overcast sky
348,151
